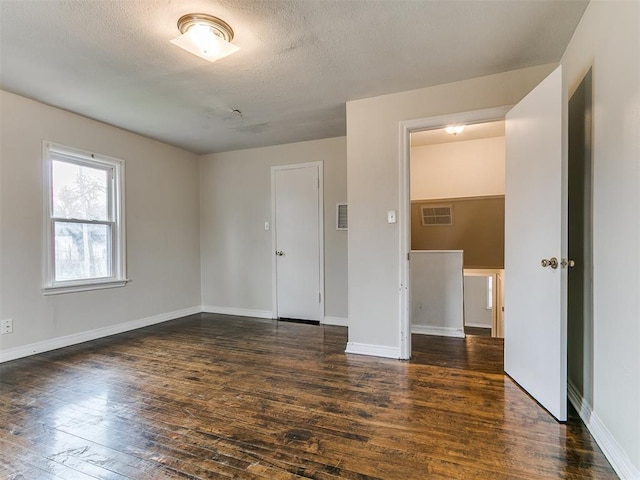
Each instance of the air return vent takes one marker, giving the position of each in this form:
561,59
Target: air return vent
437,215
341,216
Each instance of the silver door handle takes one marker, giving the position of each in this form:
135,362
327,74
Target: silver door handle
279,253
552,262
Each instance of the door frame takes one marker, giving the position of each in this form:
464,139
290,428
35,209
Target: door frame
404,218
497,274
274,270
579,394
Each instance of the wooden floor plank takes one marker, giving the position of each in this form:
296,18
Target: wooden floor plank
211,396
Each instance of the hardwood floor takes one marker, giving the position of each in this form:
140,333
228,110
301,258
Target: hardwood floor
477,331
211,396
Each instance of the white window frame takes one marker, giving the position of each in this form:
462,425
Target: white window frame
489,285
115,167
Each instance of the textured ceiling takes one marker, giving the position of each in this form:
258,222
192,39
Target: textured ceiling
300,60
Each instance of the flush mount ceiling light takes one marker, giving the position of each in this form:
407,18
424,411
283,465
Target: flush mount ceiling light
454,129
206,36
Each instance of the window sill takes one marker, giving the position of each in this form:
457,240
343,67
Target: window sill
83,287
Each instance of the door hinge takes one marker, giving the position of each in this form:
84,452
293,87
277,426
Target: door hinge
319,297
407,257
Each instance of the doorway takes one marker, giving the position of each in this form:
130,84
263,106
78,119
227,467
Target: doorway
536,263
406,128
483,302
297,240
580,281
457,229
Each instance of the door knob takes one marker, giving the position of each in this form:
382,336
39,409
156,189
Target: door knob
567,263
279,253
552,262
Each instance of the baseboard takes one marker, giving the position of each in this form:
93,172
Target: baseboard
439,331
239,312
373,350
244,312
477,325
579,403
338,321
617,457
68,340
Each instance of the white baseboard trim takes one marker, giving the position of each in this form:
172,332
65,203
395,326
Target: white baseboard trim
580,404
81,337
338,321
617,457
373,350
439,331
477,325
239,312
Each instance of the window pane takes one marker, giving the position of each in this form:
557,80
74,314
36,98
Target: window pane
82,251
79,192
489,292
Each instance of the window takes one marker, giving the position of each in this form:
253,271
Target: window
490,292
84,221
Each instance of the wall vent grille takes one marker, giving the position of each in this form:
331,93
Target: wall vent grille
341,216
437,215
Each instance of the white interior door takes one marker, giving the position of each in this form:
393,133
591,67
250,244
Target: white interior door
535,320
298,259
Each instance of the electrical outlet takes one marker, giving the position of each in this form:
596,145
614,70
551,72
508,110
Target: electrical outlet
7,326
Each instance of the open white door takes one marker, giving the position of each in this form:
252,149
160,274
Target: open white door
297,240
535,319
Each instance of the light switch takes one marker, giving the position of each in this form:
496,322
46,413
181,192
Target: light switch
391,216
266,225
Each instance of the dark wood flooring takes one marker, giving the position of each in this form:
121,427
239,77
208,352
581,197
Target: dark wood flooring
210,396
477,331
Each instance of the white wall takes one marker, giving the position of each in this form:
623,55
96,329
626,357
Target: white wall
162,226
473,168
437,293
236,201
476,313
608,38
373,170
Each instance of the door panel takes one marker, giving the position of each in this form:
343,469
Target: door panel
297,214
535,228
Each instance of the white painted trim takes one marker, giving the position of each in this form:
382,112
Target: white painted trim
319,165
439,331
238,312
84,287
404,225
274,263
437,251
617,457
117,219
47,234
338,321
373,350
68,340
582,407
321,234
404,157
